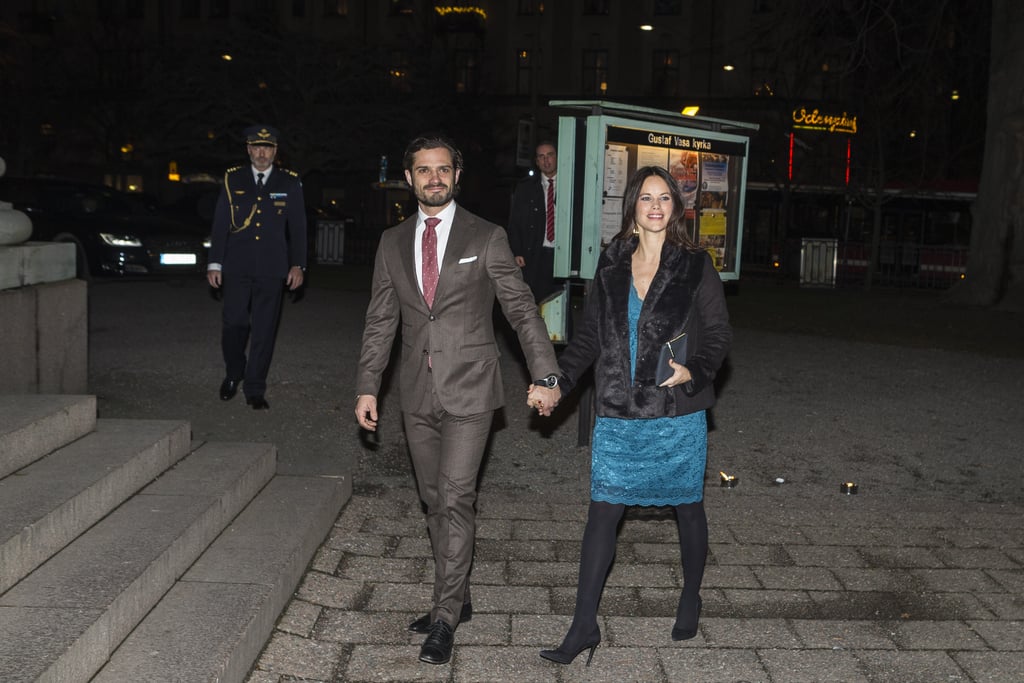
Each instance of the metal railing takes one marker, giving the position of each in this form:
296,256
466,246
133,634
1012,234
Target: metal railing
832,263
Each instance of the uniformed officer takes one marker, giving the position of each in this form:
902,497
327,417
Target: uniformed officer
258,247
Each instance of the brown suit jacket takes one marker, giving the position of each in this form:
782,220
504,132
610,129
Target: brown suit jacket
457,333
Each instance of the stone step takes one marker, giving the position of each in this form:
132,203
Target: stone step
32,425
47,504
64,620
214,622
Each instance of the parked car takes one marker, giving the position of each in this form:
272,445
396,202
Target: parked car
115,233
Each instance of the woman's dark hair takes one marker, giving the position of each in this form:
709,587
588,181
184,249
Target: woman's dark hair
431,141
676,233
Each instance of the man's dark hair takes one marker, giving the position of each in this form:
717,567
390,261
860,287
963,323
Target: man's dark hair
431,141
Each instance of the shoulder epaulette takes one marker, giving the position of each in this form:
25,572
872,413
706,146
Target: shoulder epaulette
234,168
290,172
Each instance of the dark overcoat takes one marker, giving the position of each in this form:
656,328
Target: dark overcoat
686,294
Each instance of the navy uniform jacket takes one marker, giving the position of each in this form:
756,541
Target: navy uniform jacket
259,234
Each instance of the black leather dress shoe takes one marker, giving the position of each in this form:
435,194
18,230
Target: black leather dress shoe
422,625
228,388
257,403
437,648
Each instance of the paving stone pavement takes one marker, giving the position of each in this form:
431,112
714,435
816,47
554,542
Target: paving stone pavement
917,578
914,579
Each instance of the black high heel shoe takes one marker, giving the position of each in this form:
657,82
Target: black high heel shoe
686,633
564,655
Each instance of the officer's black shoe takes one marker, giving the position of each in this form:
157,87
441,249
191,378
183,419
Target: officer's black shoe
228,388
257,403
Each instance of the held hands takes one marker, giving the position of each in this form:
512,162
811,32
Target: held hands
680,376
366,412
543,399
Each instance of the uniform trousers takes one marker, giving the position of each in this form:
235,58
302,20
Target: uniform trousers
252,308
446,452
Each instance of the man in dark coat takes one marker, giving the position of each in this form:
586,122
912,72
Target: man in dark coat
531,223
258,247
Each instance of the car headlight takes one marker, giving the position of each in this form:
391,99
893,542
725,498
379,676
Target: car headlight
120,240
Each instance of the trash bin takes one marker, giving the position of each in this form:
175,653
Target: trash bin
818,262
330,241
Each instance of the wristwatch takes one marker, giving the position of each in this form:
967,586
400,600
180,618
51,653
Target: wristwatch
551,381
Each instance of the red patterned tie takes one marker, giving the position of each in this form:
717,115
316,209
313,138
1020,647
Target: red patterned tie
550,234
430,272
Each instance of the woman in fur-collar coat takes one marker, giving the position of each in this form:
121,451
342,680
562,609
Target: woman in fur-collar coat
653,285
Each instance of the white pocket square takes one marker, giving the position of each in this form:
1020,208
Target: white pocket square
468,259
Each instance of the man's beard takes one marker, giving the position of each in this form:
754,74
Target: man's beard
429,197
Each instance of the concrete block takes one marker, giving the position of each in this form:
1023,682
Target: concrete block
224,608
121,567
33,263
62,333
30,635
53,500
44,338
18,373
32,425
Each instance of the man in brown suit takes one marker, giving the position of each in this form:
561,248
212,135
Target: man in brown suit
438,273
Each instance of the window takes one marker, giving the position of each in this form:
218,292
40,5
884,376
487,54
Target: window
135,9
467,71
398,71
665,73
595,7
335,8
220,9
595,72
105,9
400,7
763,63
189,9
524,72
671,8
115,9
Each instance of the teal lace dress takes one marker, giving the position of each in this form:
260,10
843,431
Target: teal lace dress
657,461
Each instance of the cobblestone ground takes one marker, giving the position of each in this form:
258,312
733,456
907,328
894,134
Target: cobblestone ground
918,577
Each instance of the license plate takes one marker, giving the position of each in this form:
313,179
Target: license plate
178,259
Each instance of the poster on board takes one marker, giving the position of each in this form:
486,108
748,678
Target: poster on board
703,168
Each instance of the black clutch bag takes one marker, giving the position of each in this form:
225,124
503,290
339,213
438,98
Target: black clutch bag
674,349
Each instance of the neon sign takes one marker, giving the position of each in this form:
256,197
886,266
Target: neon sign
456,11
815,120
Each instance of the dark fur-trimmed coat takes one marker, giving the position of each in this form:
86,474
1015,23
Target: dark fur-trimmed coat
603,338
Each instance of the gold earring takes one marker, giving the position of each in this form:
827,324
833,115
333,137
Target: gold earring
636,229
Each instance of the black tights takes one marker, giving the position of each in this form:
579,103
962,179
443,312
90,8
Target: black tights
597,554
692,524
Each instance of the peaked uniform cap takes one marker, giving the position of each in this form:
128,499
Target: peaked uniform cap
261,135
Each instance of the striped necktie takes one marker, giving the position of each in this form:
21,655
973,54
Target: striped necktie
550,232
